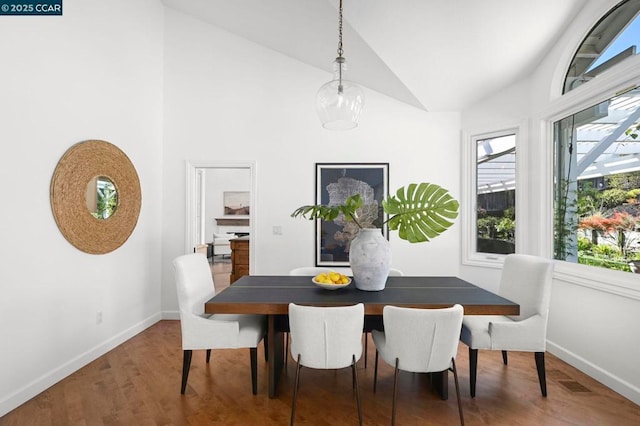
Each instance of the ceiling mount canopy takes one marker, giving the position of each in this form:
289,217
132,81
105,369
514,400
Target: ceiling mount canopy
339,102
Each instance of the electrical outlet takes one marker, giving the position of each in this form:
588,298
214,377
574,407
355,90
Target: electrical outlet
99,317
277,230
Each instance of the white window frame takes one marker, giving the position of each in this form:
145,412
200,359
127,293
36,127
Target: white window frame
613,82
470,255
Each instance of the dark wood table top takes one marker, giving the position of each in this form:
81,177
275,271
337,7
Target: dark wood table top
271,294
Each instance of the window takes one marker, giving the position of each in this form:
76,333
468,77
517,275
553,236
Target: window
597,184
489,187
613,39
495,193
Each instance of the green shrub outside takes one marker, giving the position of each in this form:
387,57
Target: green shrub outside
616,264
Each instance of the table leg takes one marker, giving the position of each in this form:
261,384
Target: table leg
276,352
441,382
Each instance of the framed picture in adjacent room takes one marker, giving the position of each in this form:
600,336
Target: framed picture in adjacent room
334,183
236,203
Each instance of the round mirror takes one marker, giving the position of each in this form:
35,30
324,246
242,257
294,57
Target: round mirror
101,197
95,196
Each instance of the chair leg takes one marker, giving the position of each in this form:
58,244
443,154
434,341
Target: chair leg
355,375
473,370
366,344
353,378
395,394
295,392
286,348
253,353
542,377
504,357
455,378
375,373
186,364
208,355
265,343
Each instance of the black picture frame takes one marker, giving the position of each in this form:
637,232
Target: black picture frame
371,181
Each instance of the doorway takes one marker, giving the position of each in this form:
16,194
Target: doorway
217,198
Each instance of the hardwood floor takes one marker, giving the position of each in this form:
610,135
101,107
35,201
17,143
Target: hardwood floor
139,383
221,271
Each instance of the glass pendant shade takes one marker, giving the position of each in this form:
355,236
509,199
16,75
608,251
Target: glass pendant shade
339,102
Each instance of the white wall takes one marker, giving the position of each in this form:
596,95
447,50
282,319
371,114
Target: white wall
227,99
595,314
94,73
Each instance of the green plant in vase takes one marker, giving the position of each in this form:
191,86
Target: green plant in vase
419,212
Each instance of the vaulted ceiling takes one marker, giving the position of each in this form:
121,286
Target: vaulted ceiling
438,55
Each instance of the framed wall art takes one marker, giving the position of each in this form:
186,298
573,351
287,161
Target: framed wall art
334,183
236,203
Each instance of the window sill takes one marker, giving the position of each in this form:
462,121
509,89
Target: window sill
625,284
487,260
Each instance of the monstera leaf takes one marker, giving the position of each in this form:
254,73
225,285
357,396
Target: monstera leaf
420,213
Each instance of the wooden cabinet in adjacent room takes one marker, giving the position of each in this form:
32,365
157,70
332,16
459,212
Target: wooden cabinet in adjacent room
239,258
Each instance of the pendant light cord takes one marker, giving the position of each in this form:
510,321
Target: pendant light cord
340,59
340,50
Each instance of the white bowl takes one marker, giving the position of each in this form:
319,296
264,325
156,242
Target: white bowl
330,286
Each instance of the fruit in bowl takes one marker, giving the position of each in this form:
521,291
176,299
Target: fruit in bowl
331,277
331,280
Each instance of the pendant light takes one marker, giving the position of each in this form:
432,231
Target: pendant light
339,102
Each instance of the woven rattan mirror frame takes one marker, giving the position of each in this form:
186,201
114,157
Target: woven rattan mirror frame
81,163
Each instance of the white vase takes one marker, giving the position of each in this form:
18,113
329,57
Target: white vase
370,258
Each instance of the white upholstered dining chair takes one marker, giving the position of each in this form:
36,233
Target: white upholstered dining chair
310,271
525,280
194,283
419,341
326,338
373,323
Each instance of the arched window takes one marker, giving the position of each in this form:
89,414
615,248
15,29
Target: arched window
597,153
613,39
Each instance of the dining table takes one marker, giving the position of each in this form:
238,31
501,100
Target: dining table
270,295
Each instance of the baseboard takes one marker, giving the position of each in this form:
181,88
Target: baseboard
170,315
617,384
49,379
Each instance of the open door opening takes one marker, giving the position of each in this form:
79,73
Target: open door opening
220,208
